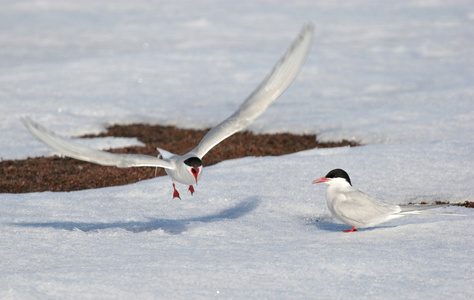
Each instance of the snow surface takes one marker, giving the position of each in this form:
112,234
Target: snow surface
396,76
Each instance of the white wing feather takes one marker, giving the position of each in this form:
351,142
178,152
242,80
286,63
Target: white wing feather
365,211
91,155
273,85
361,210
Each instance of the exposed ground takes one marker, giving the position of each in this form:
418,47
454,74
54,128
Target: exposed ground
66,174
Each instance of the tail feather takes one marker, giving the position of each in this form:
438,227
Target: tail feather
422,210
165,154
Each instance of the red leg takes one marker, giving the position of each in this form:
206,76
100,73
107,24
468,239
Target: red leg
175,193
191,189
351,230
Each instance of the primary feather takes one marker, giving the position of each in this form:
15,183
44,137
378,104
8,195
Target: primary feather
84,153
282,75
186,168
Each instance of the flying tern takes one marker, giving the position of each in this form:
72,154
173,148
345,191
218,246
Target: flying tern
357,209
187,168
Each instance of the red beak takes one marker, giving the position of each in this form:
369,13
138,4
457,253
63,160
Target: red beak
320,180
195,171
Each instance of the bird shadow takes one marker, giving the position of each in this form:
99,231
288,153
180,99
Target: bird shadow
337,227
169,226
329,226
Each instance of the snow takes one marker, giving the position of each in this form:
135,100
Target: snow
395,76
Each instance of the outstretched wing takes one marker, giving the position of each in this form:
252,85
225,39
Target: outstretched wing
91,155
273,85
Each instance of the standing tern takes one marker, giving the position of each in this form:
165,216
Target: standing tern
186,169
357,209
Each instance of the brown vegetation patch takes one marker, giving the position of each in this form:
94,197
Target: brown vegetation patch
465,204
66,174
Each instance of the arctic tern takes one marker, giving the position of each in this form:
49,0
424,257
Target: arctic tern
357,209
186,169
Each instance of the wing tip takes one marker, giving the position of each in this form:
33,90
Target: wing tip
29,124
308,26
26,120
307,30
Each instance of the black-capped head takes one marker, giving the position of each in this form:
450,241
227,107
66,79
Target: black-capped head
339,173
193,162
195,165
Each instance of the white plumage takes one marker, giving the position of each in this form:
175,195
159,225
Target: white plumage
357,209
186,169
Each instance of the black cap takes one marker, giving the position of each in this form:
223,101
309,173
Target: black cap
193,162
339,173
